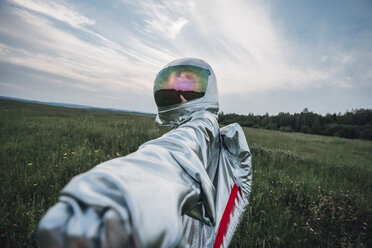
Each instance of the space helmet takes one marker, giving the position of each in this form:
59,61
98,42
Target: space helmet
183,87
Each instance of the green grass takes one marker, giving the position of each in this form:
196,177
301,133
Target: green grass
308,190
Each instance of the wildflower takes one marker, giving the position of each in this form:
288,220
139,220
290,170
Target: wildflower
65,154
35,184
307,224
96,151
311,230
117,154
29,163
64,157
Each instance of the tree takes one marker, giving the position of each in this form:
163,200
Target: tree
305,129
316,127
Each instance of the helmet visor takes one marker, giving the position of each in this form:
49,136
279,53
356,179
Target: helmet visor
179,84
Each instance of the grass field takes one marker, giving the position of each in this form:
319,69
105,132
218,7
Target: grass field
308,190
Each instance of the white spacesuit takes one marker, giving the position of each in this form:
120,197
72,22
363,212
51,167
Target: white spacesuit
187,188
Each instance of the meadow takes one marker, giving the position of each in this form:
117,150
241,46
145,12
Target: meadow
308,190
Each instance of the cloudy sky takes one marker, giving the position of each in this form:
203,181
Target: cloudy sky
269,56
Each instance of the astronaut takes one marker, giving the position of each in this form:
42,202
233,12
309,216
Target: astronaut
187,188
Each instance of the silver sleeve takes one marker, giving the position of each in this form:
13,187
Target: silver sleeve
139,200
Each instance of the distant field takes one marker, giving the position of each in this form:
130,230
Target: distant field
308,190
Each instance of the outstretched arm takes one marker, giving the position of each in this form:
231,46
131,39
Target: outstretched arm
138,200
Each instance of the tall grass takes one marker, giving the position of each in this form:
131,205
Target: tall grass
308,190
43,147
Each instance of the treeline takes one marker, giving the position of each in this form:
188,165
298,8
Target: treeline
356,124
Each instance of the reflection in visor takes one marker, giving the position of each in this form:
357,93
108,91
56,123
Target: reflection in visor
179,84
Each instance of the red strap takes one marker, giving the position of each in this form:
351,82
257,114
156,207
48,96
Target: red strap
226,216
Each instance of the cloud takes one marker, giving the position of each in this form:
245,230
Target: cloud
238,38
243,44
248,48
164,18
63,53
56,10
